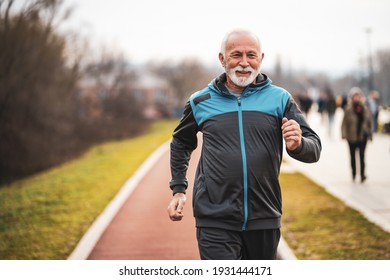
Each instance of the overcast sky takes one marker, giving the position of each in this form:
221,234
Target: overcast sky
326,35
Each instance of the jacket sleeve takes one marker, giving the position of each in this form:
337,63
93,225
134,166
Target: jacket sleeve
310,149
184,141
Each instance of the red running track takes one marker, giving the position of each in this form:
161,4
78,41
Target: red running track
142,230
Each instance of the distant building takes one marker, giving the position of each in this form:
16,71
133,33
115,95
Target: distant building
153,93
156,94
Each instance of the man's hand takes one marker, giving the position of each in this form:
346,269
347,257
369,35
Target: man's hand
292,134
175,207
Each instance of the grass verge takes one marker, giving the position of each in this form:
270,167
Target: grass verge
317,225
44,216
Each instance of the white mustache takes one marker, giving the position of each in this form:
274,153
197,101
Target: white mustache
242,69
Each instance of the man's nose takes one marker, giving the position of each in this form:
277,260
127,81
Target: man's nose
244,62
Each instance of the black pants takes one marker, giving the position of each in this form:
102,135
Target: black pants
361,147
220,244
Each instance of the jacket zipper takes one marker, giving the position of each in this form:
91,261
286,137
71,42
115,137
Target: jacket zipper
244,163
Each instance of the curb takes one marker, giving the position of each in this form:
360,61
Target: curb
284,252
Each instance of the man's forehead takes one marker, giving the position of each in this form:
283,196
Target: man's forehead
242,41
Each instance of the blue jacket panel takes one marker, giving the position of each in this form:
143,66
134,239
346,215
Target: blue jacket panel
210,101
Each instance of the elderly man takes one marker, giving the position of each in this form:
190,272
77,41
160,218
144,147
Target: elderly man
243,118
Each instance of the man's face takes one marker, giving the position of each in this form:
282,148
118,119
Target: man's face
242,59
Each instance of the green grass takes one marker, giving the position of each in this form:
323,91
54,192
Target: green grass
316,225
44,216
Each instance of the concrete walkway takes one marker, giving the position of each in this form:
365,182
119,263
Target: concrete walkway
371,198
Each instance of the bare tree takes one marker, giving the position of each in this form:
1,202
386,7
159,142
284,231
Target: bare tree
37,101
119,113
186,77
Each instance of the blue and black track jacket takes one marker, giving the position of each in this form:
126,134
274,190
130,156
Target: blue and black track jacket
237,179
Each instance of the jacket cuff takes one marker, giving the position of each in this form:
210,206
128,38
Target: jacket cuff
178,185
297,150
179,189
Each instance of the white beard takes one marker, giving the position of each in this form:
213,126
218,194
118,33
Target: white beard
242,81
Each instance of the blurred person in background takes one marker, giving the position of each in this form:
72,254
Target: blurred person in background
305,102
321,104
330,107
356,129
373,105
243,118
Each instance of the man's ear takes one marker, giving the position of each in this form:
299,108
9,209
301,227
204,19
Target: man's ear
221,59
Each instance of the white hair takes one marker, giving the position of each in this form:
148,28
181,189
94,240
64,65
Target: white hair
237,31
